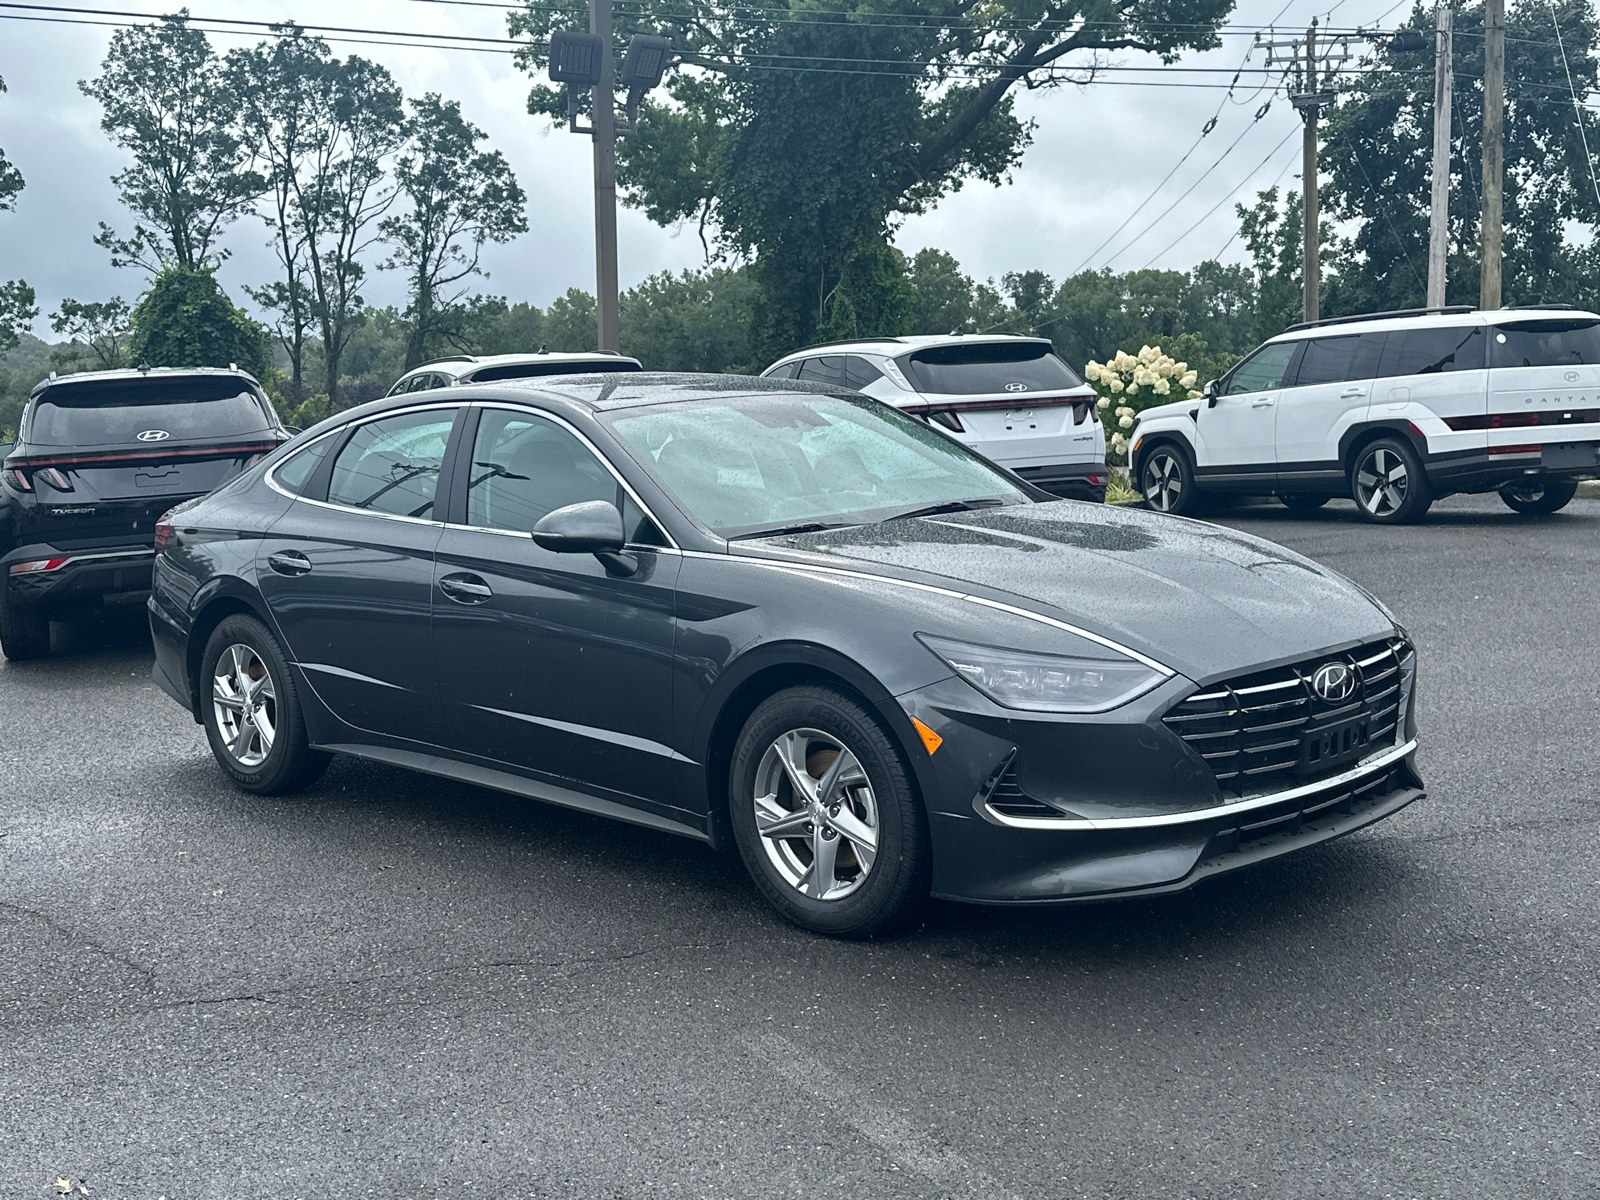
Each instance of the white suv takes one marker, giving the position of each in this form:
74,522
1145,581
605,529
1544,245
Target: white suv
1393,410
1009,398
482,368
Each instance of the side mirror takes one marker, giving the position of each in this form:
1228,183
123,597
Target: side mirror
1210,391
592,527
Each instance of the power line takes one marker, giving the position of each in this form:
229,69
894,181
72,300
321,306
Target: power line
1576,114
1217,257
1223,201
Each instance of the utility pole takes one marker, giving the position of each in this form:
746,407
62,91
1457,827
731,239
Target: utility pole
1494,107
603,118
1309,101
1439,219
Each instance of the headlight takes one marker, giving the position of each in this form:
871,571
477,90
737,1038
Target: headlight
1045,682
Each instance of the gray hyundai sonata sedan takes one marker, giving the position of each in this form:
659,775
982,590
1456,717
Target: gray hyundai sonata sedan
791,622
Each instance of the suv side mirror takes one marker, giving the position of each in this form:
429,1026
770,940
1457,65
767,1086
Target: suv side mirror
592,527
1211,391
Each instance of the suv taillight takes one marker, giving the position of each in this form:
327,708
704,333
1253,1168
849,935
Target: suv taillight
19,480
163,535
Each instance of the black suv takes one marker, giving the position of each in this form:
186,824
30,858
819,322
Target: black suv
99,457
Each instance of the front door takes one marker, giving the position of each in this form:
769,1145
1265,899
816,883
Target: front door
1331,393
349,578
1236,446
553,663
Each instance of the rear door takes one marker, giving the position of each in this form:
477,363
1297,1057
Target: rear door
1332,392
1236,440
1436,375
1544,382
347,572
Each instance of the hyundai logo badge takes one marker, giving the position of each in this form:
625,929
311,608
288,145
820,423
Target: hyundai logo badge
1016,387
1334,681
152,435
1571,377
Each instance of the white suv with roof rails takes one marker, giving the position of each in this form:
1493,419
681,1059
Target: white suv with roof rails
1012,399
1394,410
476,368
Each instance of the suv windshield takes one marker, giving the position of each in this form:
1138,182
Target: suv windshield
114,412
767,462
1546,343
989,367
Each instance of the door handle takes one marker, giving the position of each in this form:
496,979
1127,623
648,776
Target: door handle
1353,394
289,562
465,589
1261,403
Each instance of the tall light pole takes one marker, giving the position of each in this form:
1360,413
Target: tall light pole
1494,106
1439,216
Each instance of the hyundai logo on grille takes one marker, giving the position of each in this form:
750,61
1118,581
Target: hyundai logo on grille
1334,681
152,435
1016,387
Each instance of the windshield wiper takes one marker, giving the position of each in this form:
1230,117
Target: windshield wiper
800,527
949,506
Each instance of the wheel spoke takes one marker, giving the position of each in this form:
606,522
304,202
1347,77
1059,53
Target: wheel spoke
862,838
221,696
242,740
820,879
842,772
791,751
775,821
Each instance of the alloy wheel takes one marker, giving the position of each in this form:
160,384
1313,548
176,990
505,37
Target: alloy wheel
816,814
1382,482
245,704
1163,482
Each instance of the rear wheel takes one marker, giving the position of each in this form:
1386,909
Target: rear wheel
825,814
1388,484
1301,502
1167,481
1539,496
24,632
252,711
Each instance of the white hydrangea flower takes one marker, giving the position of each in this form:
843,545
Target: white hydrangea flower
1162,387
1116,385
1189,379
1119,444
1133,388
1125,422
1092,371
1193,395
1148,354
1105,401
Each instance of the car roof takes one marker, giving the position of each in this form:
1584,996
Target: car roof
1452,318
77,377
634,389
914,341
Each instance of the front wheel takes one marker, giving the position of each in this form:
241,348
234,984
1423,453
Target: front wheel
252,711
1388,484
1167,481
826,816
1539,496
24,632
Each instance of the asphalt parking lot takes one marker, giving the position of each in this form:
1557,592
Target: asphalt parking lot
394,986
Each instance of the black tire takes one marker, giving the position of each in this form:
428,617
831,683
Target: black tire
1166,481
1301,502
1388,484
1538,497
24,632
288,762
878,887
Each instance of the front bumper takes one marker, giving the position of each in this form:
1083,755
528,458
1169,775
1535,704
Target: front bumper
92,577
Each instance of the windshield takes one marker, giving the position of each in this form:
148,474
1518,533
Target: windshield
989,367
1546,344
768,462
115,412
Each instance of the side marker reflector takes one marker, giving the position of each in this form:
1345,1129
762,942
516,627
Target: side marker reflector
930,739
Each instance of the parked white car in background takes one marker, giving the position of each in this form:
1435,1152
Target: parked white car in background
471,368
1012,399
1394,410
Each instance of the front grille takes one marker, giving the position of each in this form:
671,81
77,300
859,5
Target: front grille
1307,814
1269,730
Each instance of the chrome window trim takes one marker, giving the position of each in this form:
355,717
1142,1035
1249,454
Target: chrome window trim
1369,767
547,415
810,569
451,405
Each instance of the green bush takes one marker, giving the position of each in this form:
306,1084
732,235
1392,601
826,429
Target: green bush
185,320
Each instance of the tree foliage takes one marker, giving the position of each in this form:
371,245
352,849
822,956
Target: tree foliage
17,311
97,334
11,181
185,320
165,102
458,197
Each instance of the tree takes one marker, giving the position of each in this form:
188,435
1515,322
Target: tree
798,137
694,321
1379,147
17,311
165,102
185,320
97,334
459,198
11,181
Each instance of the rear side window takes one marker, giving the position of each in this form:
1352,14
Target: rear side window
1338,359
392,465
1546,344
1431,351
294,472
116,412
989,367
859,373
539,369
1262,371
827,369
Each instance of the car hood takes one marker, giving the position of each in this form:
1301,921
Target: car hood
1205,600
1178,408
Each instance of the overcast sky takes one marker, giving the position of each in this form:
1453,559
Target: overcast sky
1098,152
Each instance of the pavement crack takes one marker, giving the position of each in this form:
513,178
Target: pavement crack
78,937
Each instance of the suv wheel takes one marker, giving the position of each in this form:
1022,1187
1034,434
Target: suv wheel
825,814
1388,484
24,632
1167,481
252,711
1539,496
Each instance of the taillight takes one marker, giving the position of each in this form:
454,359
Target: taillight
948,419
163,536
56,479
19,480
39,564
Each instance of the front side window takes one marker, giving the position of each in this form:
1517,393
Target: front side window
752,463
989,368
1433,351
1262,371
1546,344
525,467
392,465
113,412
1339,359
